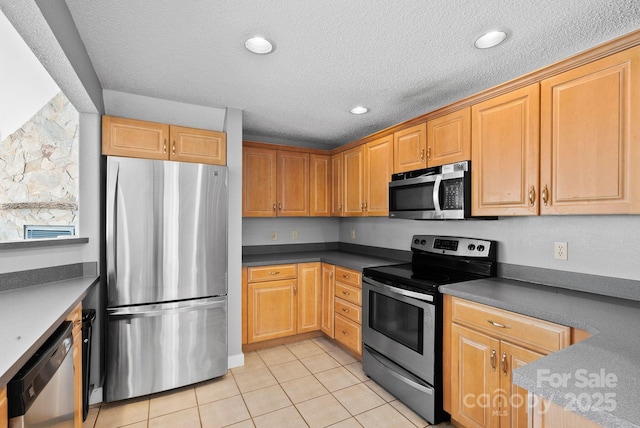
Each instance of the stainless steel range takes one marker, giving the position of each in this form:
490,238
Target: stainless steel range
402,316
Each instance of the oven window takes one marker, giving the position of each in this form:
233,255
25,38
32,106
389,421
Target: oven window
397,320
418,197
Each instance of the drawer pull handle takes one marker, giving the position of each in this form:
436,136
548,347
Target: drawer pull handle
503,363
275,272
345,310
532,196
346,293
346,333
493,360
497,324
346,276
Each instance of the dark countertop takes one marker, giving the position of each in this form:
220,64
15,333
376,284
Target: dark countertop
339,258
31,314
601,372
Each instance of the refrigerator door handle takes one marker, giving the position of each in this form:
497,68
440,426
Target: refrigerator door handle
112,192
153,310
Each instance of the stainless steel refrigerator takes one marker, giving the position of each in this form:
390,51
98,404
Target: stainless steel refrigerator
166,238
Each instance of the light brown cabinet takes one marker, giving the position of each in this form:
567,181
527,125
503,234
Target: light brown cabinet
590,138
546,414
449,138
76,318
482,346
282,300
151,140
410,148
337,185
505,141
367,171
348,304
4,408
320,185
274,182
328,297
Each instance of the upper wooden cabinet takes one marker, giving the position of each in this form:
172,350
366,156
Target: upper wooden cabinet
505,142
410,148
150,140
337,185
590,138
274,182
320,185
367,172
449,138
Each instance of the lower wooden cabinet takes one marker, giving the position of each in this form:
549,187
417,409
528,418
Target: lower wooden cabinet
282,300
482,346
76,318
4,408
546,414
328,297
348,305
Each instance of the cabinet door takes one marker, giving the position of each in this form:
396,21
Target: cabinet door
410,148
590,141
271,310
293,183
320,185
4,408
377,175
505,145
514,410
337,187
309,297
349,333
353,198
449,138
198,145
474,377
258,182
134,138
328,291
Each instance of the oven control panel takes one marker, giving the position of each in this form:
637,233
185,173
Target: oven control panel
453,245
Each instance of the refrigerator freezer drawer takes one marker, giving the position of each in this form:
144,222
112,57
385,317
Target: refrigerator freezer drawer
154,348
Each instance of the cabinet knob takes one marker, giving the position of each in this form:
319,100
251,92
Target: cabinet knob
545,195
532,196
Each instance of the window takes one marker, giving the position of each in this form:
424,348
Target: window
38,144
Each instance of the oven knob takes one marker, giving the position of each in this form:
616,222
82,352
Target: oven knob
423,242
417,241
480,248
471,247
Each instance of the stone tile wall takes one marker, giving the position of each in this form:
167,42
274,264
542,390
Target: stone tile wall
39,171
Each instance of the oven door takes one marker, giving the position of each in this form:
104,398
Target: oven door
401,325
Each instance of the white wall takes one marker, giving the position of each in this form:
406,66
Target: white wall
258,231
598,245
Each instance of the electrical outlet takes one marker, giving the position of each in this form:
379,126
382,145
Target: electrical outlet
560,251
274,235
294,235
353,234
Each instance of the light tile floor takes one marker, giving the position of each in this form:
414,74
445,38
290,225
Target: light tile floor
311,383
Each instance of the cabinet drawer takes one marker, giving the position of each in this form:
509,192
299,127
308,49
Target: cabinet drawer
349,333
273,272
349,293
530,332
349,276
348,310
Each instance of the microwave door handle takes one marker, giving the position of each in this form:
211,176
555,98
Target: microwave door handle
436,196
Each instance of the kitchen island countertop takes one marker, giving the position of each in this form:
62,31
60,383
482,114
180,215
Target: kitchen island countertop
598,378
29,315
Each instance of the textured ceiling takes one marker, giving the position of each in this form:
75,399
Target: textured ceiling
399,58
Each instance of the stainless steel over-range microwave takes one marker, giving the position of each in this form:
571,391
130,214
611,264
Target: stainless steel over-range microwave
437,193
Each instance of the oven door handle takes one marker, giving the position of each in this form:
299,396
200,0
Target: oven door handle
401,378
396,290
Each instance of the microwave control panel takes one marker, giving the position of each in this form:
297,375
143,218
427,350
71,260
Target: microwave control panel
453,194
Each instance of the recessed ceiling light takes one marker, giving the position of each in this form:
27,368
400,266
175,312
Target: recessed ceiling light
258,45
359,110
491,39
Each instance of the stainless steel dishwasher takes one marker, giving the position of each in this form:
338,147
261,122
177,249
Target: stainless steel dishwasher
41,394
